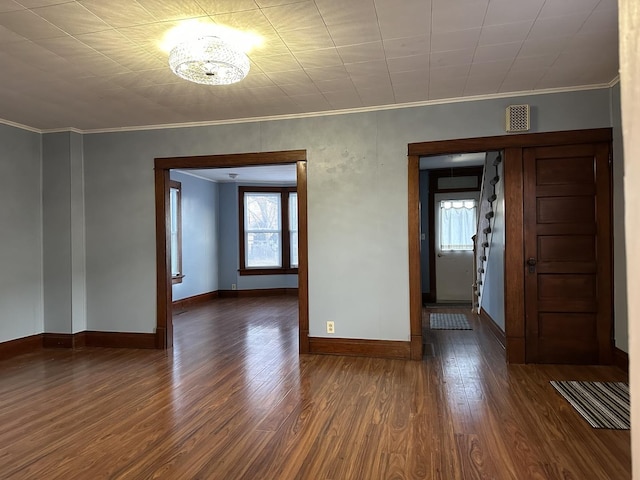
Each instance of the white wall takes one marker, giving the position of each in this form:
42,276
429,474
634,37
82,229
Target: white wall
199,200
357,203
21,303
629,19
492,299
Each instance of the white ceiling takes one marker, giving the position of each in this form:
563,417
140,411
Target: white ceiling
97,64
276,174
452,161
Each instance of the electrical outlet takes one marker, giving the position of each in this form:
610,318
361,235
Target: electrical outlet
234,286
331,327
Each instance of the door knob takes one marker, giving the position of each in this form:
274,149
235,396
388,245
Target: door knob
532,264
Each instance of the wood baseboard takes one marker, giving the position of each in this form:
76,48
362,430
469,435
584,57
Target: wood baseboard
13,348
64,340
621,359
195,300
259,292
493,326
360,348
119,339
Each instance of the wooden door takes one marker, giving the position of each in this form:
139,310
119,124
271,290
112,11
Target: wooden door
567,252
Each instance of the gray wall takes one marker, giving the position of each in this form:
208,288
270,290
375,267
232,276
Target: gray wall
199,236
492,299
229,255
357,203
21,303
63,233
619,256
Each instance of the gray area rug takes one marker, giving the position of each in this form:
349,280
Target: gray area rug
602,404
449,321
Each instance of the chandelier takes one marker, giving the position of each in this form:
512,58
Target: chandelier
208,60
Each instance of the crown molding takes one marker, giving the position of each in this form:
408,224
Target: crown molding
324,113
9,123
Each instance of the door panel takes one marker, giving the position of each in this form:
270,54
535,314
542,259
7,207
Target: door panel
567,250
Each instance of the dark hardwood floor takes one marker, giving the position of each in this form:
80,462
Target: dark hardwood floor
234,400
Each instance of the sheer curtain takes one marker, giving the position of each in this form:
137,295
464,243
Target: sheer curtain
457,224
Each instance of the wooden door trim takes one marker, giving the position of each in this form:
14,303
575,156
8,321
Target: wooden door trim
162,166
415,282
514,254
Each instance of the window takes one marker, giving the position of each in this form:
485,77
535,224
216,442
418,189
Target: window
457,224
175,194
268,230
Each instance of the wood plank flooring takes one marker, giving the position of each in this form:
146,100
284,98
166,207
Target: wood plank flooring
234,400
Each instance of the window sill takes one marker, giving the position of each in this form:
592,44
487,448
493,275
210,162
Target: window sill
268,271
176,279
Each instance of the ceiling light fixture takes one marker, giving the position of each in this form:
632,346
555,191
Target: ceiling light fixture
208,60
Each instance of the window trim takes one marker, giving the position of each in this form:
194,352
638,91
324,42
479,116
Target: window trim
285,233
173,184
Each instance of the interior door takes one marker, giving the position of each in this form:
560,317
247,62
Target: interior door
454,268
567,221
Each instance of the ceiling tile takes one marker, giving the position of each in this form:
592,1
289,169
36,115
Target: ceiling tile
534,62
41,3
341,100
555,8
29,25
337,85
214,7
149,36
351,34
299,89
494,53
327,73
543,46
377,67
521,80
404,19
173,10
500,67
407,64
454,40
448,16
454,71
314,101
505,33
289,77
9,36
364,52
508,11
374,80
455,57
599,21
376,96
10,6
416,77
552,26
276,63
410,96
73,18
307,39
405,47
353,11
319,58
119,13
294,16
248,20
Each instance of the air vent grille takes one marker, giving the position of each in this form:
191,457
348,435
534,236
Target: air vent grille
518,118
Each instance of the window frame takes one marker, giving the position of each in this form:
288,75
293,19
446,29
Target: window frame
175,185
285,232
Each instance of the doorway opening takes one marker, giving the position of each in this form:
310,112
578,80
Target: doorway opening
163,166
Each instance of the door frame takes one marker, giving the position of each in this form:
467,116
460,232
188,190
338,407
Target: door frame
162,167
512,145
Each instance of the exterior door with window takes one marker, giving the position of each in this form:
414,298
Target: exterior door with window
455,224
567,271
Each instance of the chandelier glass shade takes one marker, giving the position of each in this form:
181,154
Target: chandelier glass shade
208,60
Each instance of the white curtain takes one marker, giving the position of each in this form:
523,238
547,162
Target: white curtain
457,224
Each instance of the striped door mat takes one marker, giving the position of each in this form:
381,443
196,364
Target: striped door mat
602,404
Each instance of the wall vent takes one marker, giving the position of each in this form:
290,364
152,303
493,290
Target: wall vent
518,118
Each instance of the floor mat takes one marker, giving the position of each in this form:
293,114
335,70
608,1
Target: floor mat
449,321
